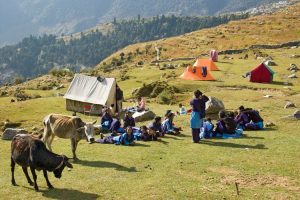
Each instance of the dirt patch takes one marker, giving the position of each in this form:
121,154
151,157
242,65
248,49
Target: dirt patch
247,181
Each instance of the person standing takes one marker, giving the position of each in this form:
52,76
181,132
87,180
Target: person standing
119,98
198,113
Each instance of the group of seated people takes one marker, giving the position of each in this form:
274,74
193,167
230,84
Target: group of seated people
128,133
232,123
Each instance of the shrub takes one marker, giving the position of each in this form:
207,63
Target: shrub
61,72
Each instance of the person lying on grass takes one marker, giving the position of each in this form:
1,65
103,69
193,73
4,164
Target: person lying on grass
126,138
168,126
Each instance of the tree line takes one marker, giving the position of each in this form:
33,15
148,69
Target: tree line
36,55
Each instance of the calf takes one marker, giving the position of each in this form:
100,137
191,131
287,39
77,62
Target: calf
28,151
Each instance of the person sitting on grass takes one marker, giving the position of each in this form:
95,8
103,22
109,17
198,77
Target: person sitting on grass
115,127
148,134
207,129
226,125
182,110
156,125
126,138
128,120
141,105
241,118
256,122
168,126
106,120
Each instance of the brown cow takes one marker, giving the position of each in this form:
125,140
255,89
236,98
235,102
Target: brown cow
67,127
28,151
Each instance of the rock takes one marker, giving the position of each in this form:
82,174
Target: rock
9,133
268,96
270,63
292,76
293,67
214,105
296,114
143,116
269,124
289,105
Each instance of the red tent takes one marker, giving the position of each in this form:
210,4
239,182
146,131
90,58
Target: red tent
261,74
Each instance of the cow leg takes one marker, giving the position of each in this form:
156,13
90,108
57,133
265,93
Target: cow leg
73,146
47,180
49,141
27,176
34,178
12,165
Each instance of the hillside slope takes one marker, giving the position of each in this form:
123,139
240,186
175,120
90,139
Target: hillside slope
280,27
25,17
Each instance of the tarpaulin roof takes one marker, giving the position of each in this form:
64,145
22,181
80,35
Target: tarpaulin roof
91,90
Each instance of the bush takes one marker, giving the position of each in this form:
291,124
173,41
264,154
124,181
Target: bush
166,97
18,80
60,72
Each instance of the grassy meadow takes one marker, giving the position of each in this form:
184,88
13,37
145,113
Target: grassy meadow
265,164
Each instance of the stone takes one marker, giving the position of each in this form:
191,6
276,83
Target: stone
214,106
268,96
143,116
270,63
293,67
292,76
9,133
296,114
289,105
269,124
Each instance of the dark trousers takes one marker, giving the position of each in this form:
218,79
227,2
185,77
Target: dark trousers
196,134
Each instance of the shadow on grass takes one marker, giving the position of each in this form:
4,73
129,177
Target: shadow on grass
281,83
140,145
232,145
225,62
68,194
250,137
104,164
162,141
173,137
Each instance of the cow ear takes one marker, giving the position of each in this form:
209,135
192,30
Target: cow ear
94,122
68,164
80,129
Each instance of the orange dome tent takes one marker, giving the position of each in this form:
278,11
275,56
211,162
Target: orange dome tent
196,74
211,66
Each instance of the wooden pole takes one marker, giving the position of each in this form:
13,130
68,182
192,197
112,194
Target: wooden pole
237,188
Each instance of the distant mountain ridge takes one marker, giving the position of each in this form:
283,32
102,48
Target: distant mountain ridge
20,18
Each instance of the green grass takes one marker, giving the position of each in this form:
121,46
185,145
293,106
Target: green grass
265,164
